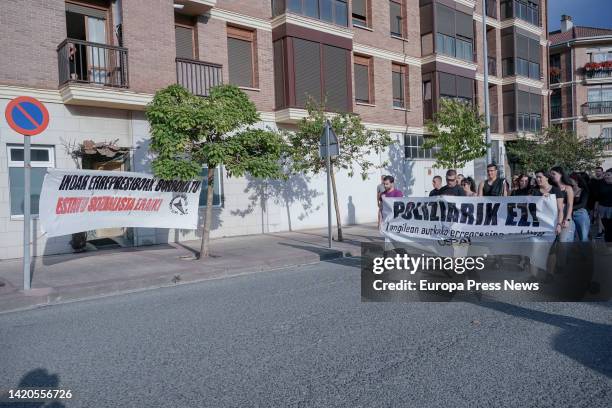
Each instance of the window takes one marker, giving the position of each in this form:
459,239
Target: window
396,17
600,94
322,74
555,104
413,147
398,76
217,201
363,79
529,117
333,11
526,59
41,158
455,33
241,57
456,87
523,9
360,12
184,41
601,56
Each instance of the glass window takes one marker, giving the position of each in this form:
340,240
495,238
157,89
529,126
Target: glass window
395,18
216,188
341,13
413,147
42,158
295,6
311,8
362,80
326,9
360,13
398,86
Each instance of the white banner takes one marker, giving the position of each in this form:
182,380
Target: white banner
82,200
480,225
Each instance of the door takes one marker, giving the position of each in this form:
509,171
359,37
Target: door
97,56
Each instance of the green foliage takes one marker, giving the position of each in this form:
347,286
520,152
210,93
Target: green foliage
556,147
457,132
189,132
356,143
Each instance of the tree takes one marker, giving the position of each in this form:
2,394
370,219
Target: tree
357,144
189,132
457,134
556,147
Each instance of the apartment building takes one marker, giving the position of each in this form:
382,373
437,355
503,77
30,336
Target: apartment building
97,63
581,80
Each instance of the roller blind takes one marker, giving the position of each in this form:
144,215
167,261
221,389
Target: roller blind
397,80
465,25
307,61
535,103
279,73
240,62
359,7
362,87
465,87
335,77
522,47
184,42
447,84
87,11
445,20
534,50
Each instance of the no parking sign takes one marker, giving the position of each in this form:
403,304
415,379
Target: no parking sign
29,117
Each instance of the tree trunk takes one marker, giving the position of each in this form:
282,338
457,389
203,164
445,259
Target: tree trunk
335,192
205,243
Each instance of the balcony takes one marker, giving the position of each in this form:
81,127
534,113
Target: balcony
492,65
556,112
92,63
521,10
598,72
198,76
602,108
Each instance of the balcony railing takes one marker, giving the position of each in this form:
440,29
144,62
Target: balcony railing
556,112
198,76
598,74
597,108
492,65
92,63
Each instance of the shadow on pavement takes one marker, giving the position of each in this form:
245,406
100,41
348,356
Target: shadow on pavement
38,378
588,343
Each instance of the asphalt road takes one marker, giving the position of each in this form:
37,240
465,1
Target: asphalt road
301,337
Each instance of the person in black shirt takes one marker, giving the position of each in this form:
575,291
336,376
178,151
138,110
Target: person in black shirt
544,188
452,187
603,205
524,182
580,214
437,185
493,185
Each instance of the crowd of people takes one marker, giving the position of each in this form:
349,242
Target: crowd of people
584,200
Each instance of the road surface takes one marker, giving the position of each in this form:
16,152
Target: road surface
301,337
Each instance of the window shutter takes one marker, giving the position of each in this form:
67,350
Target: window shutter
184,42
87,11
508,100
447,84
446,20
335,77
534,50
523,102
307,62
507,46
522,47
279,73
465,25
362,88
240,62
465,87
359,8
535,103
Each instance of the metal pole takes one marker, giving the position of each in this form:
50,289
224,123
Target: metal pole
329,214
485,53
26,213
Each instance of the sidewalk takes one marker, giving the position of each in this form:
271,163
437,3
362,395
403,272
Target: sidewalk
59,278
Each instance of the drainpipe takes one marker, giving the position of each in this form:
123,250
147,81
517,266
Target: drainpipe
572,86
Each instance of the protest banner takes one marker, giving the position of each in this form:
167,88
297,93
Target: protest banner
448,225
80,200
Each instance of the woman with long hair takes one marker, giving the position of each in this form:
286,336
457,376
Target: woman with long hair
580,214
564,184
545,188
469,186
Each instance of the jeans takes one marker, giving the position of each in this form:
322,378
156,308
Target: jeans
567,233
583,224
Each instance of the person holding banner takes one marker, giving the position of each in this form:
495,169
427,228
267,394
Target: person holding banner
390,190
452,187
564,184
493,186
544,188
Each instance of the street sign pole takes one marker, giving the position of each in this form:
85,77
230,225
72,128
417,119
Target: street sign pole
329,214
26,213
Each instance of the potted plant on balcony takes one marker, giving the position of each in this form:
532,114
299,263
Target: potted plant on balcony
592,66
606,65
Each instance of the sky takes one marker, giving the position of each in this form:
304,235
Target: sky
592,13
